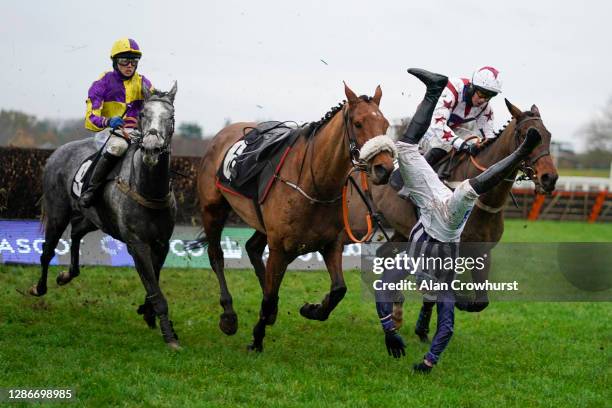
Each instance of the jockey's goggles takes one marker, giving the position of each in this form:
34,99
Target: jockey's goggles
124,62
483,93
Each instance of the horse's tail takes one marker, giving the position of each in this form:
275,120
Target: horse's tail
43,213
200,242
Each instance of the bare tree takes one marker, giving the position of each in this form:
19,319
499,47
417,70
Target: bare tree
599,131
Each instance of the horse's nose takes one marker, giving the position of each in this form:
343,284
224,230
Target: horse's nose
549,180
381,173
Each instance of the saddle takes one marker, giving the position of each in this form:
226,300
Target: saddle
251,164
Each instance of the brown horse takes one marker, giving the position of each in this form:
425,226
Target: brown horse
486,222
301,215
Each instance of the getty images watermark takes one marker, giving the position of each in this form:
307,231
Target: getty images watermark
430,271
519,272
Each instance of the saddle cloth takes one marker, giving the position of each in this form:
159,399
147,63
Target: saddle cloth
251,164
80,181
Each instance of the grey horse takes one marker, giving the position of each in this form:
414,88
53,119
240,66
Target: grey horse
136,206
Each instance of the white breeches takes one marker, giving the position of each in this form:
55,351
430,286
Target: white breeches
443,212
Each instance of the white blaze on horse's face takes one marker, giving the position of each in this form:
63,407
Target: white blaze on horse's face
156,128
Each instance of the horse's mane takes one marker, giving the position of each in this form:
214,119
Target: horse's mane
501,130
332,112
497,135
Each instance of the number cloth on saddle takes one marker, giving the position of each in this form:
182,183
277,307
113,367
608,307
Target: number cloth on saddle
251,164
81,178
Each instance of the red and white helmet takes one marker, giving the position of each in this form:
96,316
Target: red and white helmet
487,78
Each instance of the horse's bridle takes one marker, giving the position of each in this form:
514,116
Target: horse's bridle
527,167
138,138
352,141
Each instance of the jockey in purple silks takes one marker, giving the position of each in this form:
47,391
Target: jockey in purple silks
442,212
114,100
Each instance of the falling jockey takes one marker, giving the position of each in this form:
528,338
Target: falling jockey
442,212
113,101
462,102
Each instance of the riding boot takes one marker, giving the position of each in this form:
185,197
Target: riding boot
421,121
434,155
104,166
497,172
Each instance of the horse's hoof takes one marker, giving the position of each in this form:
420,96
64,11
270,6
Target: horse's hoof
148,314
63,278
228,323
258,348
174,345
312,311
150,320
33,291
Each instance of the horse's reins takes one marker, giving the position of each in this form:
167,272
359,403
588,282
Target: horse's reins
526,167
356,165
528,161
126,188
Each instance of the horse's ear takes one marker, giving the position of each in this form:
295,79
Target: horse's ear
351,97
535,110
146,92
514,111
377,95
172,92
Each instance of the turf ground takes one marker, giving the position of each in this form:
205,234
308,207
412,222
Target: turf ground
585,172
87,336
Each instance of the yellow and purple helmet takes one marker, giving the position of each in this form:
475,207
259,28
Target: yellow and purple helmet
125,45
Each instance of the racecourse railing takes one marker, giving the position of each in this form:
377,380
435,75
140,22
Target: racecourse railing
575,198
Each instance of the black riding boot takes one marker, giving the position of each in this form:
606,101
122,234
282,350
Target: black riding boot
104,166
497,172
421,121
434,155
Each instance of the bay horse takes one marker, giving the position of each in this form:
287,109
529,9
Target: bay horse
486,222
302,210
137,207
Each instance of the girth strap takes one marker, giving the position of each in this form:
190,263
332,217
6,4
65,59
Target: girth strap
152,203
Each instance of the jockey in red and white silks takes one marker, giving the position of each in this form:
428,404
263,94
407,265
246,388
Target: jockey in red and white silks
463,102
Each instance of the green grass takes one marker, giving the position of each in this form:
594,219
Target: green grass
554,231
585,172
87,336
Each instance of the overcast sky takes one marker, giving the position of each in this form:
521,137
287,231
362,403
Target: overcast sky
248,60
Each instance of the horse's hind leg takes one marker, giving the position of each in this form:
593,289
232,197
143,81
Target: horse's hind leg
213,218
159,254
142,255
275,270
56,223
80,227
255,247
332,255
